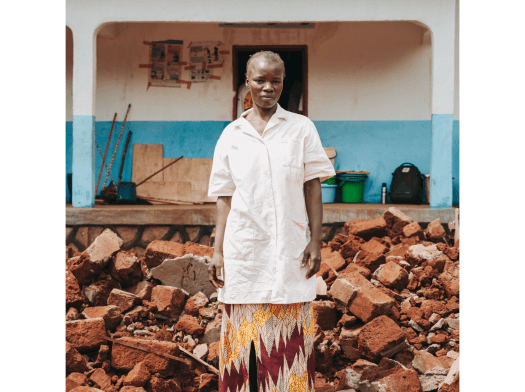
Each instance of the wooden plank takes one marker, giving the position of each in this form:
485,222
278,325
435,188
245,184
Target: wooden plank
187,191
147,159
188,169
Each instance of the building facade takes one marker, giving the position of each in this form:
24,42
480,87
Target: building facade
379,79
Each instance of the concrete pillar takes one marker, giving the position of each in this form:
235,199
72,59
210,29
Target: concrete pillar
84,87
442,110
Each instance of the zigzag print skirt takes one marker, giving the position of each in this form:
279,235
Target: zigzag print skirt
283,338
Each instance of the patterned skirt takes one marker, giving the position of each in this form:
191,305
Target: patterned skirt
283,338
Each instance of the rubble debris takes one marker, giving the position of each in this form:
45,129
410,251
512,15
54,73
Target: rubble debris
86,335
386,316
187,272
93,260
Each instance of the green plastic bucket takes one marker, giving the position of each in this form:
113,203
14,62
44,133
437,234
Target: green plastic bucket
330,181
353,187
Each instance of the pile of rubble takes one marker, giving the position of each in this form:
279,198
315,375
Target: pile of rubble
387,313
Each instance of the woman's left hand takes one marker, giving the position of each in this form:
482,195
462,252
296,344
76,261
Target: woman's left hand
312,252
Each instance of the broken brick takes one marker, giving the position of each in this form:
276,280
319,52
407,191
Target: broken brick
381,337
74,361
450,280
142,290
169,301
350,248
374,246
390,376
392,275
138,376
325,314
158,251
74,380
332,259
366,229
370,261
125,267
86,335
111,315
74,296
358,268
348,340
189,325
93,260
124,358
412,229
435,230
122,300
101,379
98,292
197,249
195,303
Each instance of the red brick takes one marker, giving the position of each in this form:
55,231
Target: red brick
122,300
393,276
124,358
208,382
195,303
97,293
111,315
321,385
348,379
450,280
398,250
332,259
348,340
86,335
343,292
394,215
370,260
141,289
432,306
125,267
368,229
381,337
337,242
188,325
350,248
158,251
357,268
93,260
72,314
74,361
169,301
375,246
198,250
101,379
137,314
74,296
76,380
390,376
325,314
435,230
213,353
412,229
132,389
347,321
369,302
362,364
324,269
138,376
452,253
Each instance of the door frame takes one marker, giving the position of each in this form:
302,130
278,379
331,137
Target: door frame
295,48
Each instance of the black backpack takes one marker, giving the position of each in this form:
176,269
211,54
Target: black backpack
407,185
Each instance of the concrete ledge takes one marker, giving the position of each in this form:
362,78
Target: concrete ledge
197,215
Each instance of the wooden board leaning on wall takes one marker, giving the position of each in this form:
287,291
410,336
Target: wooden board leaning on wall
184,182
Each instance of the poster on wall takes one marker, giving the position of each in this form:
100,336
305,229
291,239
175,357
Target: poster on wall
204,53
165,57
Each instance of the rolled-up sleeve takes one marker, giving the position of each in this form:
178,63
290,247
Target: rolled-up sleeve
221,182
316,162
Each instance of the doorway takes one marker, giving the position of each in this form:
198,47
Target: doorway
295,84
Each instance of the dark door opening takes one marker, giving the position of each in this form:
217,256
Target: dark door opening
295,85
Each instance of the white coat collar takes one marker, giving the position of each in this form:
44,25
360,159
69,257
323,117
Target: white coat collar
246,127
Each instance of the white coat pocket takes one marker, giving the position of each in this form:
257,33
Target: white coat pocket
291,153
238,240
298,237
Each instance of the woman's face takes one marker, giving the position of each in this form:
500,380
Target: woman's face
265,81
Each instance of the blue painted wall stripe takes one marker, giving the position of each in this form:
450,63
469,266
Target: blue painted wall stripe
376,146
441,161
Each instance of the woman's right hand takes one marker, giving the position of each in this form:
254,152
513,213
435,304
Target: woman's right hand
216,264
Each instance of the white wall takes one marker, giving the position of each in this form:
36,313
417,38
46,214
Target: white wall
69,74
456,65
356,71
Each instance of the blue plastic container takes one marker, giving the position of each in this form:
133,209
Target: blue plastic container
328,193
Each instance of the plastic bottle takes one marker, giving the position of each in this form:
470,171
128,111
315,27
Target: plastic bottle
383,193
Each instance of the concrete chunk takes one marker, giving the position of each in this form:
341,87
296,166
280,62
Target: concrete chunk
187,272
